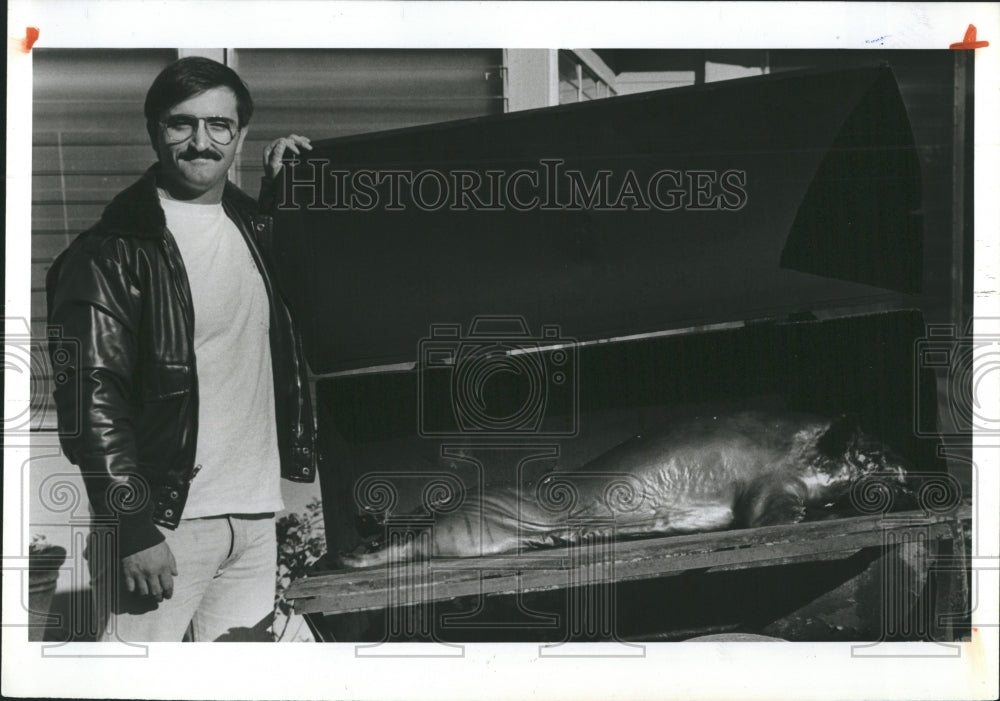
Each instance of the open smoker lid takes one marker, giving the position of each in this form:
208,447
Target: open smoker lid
735,200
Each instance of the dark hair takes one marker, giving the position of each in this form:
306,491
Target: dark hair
187,77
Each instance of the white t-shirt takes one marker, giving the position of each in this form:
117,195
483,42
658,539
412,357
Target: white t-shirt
237,449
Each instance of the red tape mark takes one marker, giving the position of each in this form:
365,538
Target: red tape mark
30,37
969,41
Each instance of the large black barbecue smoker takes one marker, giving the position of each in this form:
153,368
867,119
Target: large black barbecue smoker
774,270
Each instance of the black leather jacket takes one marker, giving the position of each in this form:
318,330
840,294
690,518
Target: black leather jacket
120,303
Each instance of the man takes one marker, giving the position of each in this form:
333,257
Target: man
189,385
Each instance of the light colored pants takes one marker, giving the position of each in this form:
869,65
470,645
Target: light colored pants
223,591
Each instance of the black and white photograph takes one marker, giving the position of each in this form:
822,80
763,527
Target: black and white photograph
481,369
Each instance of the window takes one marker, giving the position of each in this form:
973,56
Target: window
581,78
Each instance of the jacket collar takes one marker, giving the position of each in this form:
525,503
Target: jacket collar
136,211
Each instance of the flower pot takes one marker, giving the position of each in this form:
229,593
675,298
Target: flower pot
43,573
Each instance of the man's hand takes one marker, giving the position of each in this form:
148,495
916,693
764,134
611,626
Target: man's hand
275,151
151,572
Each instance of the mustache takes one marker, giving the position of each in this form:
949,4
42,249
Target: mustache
193,153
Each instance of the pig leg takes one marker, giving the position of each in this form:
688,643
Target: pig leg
772,500
396,552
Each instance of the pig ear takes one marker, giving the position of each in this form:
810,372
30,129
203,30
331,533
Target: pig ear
838,436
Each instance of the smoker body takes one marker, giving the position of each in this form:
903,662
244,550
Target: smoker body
751,243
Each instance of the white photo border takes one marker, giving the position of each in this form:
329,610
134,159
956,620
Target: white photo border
822,671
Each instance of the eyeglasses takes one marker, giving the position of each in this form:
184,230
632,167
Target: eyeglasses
181,127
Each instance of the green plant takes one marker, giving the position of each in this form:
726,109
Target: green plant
301,542
45,561
38,544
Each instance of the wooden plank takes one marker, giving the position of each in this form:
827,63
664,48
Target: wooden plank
789,560
605,562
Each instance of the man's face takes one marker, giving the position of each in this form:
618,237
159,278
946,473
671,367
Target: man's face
195,168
